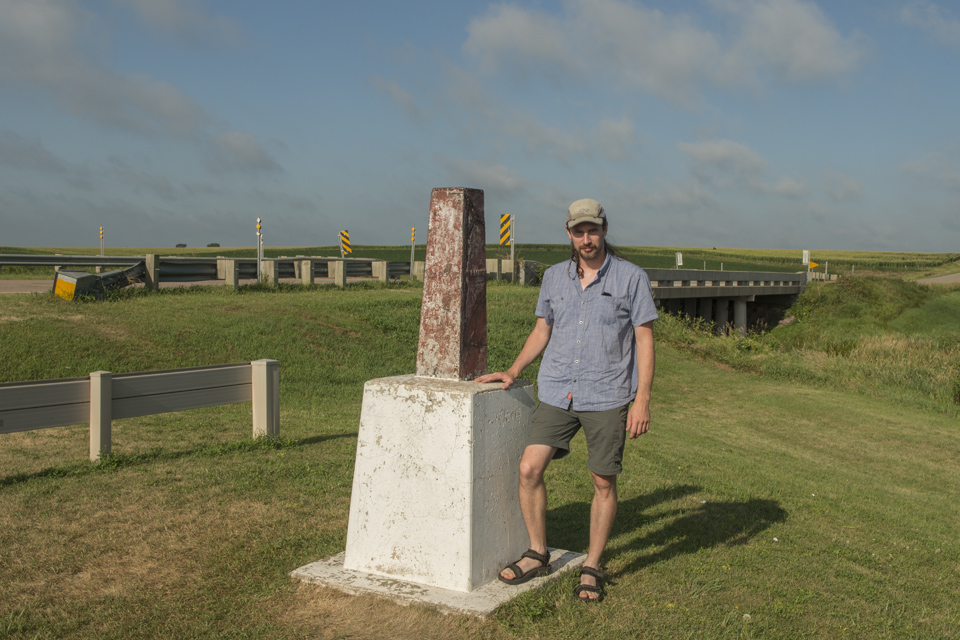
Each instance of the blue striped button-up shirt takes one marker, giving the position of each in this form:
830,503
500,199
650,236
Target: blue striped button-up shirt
590,363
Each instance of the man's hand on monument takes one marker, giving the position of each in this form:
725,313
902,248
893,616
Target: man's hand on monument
501,376
638,418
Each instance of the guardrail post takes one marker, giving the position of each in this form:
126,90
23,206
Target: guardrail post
231,273
379,270
266,397
493,268
338,271
270,272
152,278
306,271
101,413
508,266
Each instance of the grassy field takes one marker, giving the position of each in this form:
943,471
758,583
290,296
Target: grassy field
860,262
767,502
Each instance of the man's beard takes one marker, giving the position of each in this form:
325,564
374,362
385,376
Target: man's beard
597,250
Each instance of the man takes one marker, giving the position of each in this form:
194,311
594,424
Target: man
595,320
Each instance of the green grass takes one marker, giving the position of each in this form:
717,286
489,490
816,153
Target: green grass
817,510
870,335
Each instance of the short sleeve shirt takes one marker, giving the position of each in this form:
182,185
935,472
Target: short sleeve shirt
590,363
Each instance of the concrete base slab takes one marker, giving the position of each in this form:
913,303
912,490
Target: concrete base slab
480,602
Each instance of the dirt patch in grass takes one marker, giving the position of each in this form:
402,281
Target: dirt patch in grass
326,613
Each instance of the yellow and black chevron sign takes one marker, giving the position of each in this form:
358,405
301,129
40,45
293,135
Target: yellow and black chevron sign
345,242
506,220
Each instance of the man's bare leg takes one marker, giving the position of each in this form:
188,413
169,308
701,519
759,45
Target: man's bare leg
533,502
602,513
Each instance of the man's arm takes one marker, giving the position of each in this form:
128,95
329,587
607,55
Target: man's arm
638,418
534,346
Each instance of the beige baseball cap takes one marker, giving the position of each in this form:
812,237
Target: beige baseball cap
586,210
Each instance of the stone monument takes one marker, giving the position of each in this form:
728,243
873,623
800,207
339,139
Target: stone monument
434,510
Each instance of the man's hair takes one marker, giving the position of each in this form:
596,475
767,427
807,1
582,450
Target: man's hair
609,248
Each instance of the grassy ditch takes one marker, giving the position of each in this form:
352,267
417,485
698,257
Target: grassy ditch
757,507
878,336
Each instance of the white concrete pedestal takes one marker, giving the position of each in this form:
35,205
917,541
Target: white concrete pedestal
435,485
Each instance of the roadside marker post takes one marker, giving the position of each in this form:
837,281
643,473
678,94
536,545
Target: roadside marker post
101,240
508,235
345,243
679,259
259,252
413,247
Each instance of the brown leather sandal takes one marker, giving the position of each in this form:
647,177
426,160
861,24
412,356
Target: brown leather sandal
587,588
519,576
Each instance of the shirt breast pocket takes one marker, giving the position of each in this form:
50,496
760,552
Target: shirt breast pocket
611,319
614,310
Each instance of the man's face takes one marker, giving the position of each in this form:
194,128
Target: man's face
587,239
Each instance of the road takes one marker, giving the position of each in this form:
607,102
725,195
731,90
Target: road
950,279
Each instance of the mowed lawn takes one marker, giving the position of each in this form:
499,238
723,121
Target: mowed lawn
754,508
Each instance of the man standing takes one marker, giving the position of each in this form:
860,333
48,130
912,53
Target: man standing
595,320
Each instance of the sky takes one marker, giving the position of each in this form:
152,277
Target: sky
782,124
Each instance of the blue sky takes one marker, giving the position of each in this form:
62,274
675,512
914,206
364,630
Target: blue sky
727,123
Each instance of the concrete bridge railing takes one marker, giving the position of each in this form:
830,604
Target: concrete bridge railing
102,397
713,295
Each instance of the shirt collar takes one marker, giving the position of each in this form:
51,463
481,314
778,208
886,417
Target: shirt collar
572,272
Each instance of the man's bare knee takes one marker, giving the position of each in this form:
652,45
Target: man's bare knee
531,472
604,485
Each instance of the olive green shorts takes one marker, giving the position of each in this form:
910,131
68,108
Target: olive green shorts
605,432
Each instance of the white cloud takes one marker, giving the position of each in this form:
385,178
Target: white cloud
725,163
935,168
794,40
665,55
725,155
185,20
841,188
611,138
40,49
510,34
20,153
142,182
488,176
614,138
932,19
240,151
406,102
684,196
785,187
668,55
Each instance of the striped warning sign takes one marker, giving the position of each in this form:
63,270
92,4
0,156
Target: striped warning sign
345,242
506,222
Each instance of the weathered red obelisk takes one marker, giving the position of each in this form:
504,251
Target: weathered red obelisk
453,319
